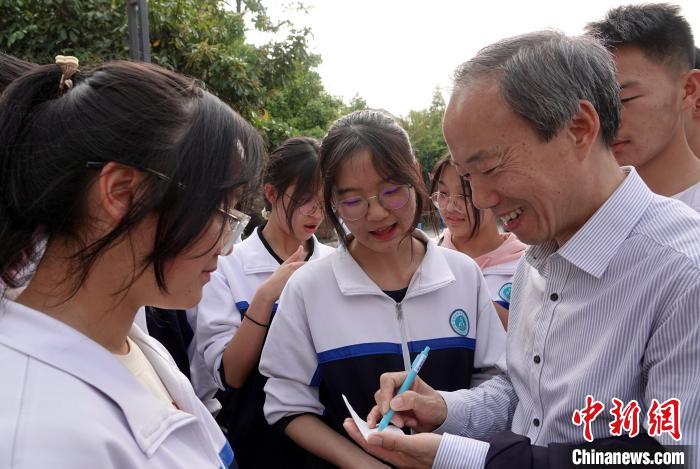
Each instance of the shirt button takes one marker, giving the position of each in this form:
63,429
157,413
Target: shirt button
554,297
536,422
536,359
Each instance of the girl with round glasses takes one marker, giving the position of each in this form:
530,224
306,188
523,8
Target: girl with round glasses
376,302
239,303
475,233
131,172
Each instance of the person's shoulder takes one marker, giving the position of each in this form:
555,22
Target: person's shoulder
314,270
672,229
691,196
455,258
324,250
37,418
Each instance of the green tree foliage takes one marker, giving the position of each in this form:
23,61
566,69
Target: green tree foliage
424,127
275,85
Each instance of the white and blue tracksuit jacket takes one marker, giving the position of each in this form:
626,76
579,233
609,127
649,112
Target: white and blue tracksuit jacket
67,402
336,332
224,302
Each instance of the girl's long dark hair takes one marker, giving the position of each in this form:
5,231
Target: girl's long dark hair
136,114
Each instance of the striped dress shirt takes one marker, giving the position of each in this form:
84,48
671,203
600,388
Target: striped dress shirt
614,313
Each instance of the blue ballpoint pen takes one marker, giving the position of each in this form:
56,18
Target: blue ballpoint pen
415,368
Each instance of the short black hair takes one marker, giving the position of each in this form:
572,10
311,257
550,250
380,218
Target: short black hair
697,57
657,29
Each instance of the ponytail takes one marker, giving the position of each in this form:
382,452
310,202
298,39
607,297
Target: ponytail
20,213
53,121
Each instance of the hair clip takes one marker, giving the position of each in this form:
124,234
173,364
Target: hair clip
69,65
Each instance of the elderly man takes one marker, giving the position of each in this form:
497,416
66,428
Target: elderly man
604,312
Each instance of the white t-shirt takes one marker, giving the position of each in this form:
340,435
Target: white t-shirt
139,366
690,196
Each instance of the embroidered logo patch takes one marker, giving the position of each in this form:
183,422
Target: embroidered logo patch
459,322
504,292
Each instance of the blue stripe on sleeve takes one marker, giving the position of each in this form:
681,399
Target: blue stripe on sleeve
353,351
359,350
441,344
226,455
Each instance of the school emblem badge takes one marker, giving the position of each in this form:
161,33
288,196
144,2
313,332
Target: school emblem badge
459,322
504,292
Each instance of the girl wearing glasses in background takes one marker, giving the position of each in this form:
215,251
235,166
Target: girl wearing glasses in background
131,172
237,307
376,302
475,233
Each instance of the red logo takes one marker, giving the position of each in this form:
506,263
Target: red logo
661,417
665,418
586,415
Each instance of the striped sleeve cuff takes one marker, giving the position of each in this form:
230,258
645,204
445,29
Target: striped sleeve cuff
456,452
457,413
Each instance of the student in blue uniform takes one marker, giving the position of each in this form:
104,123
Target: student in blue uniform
374,303
238,305
131,172
475,233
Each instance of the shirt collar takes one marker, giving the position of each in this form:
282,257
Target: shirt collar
257,256
50,341
594,245
433,272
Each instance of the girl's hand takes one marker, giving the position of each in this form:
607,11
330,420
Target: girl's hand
271,289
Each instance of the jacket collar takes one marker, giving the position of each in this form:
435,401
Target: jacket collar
594,245
433,272
256,258
50,341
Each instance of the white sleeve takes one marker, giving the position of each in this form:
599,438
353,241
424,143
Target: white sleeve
218,319
490,353
289,359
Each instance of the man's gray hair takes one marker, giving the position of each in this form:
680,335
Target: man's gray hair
543,75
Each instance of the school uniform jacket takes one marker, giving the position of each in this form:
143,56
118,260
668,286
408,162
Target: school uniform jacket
219,314
336,332
499,280
67,402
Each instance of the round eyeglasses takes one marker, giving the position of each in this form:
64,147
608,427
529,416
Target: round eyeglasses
441,200
356,207
236,222
308,208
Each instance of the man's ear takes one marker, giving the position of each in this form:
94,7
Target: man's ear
691,94
270,193
583,128
117,187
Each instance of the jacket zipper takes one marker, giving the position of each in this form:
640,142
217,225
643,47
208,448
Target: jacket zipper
404,343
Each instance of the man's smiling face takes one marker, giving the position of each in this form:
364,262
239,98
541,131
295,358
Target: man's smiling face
528,183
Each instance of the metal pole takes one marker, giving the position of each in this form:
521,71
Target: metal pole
139,37
144,33
132,18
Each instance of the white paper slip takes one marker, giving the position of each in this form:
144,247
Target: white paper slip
362,425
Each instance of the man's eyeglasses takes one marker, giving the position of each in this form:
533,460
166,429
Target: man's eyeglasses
441,200
234,220
356,207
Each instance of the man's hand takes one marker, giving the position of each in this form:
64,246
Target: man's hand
421,408
404,451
